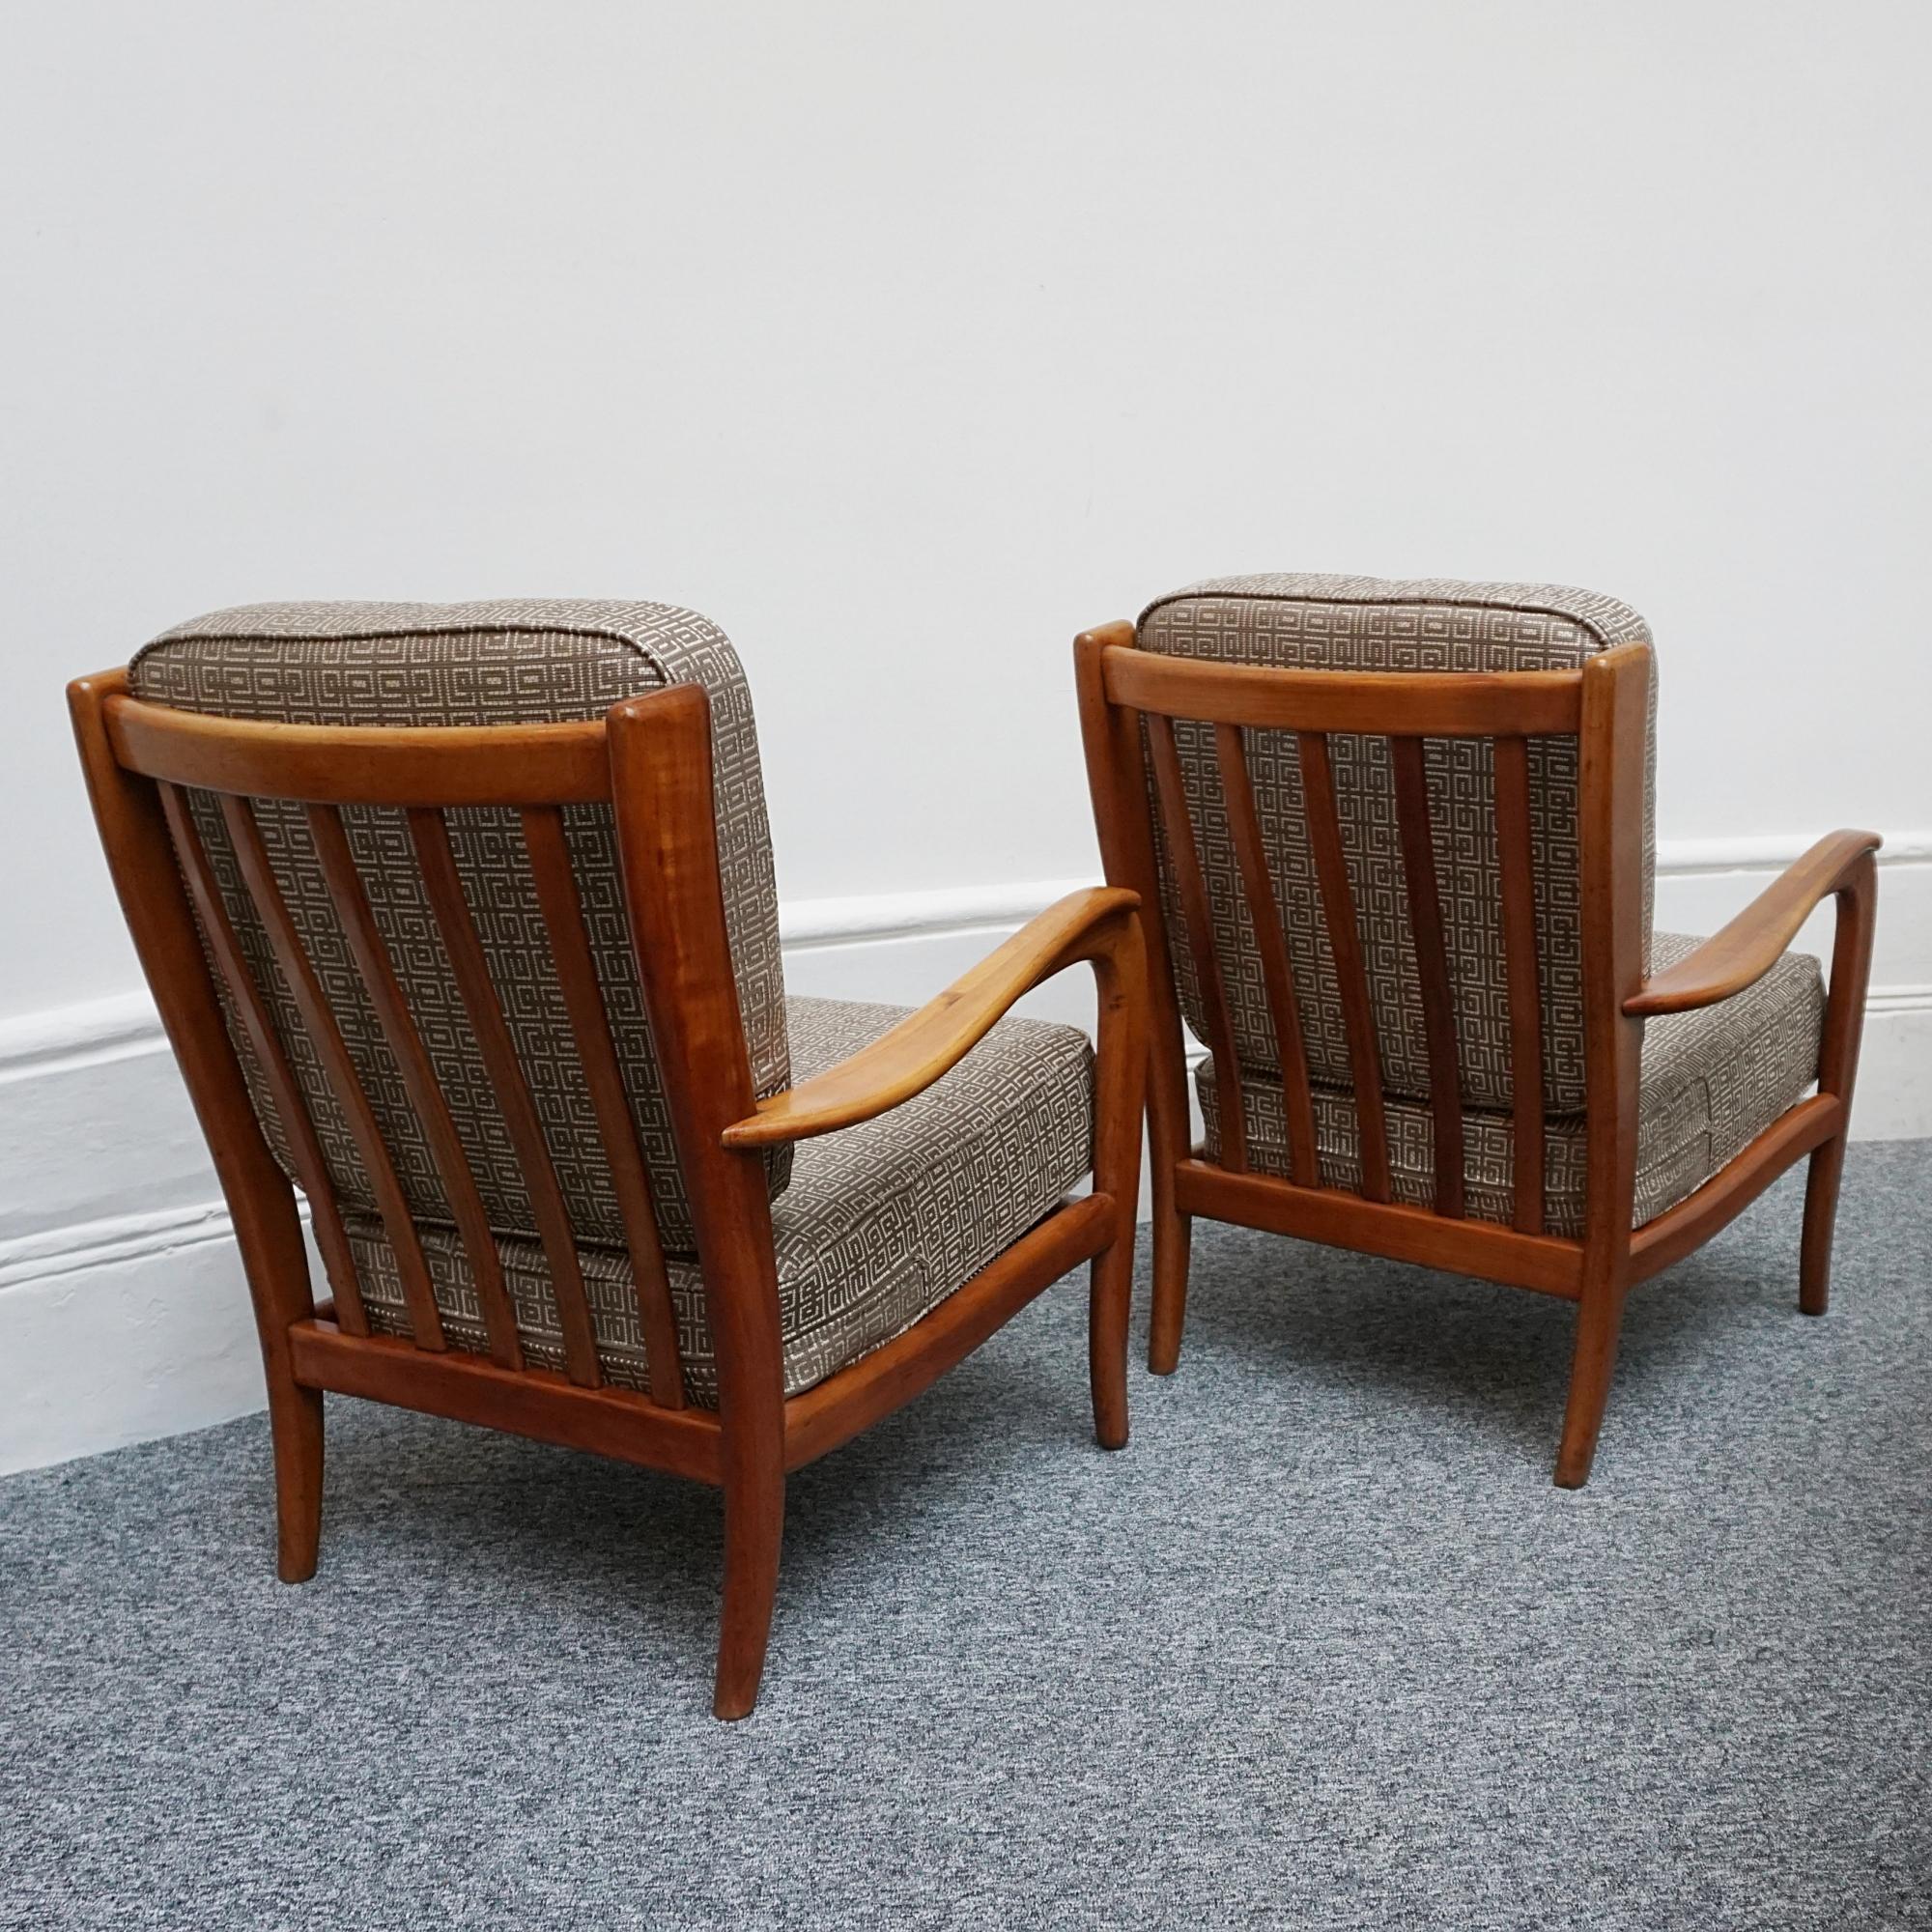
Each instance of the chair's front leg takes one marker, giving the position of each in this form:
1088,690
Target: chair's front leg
1600,1319
736,1243
1120,972
1837,1070
754,1488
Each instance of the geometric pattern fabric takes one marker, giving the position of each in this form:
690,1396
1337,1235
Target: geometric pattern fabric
1712,1080
1370,624
516,661
881,1221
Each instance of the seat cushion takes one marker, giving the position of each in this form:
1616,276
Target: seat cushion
1372,624
518,661
880,1223
1712,1080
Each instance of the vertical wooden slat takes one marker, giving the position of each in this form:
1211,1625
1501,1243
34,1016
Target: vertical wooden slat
1277,976
1432,967
1344,946
371,955
259,876
1197,916
429,833
331,1238
1517,857
590,1025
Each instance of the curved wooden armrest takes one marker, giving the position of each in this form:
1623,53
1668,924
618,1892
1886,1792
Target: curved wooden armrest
932,1041
1744,951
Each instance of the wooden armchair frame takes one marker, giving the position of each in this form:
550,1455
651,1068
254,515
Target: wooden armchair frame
650,759
1128,700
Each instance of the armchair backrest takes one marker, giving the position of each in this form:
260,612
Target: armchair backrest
522,663
1369,624
438,1013
1362,811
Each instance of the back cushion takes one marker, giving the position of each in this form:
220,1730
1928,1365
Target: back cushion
1366,623
547,661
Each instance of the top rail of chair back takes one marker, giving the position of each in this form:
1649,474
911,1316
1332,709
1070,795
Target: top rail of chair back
430,765
1435,704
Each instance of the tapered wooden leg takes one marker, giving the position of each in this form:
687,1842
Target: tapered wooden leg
1109,1304
1821,1217
294,1427
1599,1318
754,1531
1838,1071
1119,1093
1173,1242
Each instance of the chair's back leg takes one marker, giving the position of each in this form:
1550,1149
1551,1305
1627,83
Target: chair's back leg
141,858
1120,974
1838,1070
1599,1316
1616,687
1116,777
667,853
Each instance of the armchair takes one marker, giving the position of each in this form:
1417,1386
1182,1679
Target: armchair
1394,845
461,921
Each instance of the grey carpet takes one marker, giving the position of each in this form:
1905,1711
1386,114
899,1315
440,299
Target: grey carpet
1323,1647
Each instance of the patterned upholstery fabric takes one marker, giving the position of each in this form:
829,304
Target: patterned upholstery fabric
480,663
1712,1080
880,1222
1364,623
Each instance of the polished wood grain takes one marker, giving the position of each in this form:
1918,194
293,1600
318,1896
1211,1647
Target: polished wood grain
442,881
439,766
1414,830
1445,704
1244,827
1741,953
1856,897
338,1069
1610,784
548,850
1516,861
650,757
668,854
1344,949
927,1045
1118,777
311,1165
1117,952
1601,707
1343,1219
620,1423
268,1231
1197,919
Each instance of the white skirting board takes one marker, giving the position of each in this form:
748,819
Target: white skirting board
123,1313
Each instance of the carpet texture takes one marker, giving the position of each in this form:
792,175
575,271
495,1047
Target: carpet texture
1323,1647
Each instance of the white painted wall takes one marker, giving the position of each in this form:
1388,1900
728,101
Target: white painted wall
907,340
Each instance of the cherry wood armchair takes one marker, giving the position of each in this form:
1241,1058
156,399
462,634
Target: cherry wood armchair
480,952
1393,843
